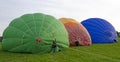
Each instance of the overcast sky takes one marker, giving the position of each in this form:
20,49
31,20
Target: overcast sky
76,9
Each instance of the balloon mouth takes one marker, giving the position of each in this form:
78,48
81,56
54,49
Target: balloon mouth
115,40
38,40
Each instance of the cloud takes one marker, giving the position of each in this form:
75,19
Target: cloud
76,9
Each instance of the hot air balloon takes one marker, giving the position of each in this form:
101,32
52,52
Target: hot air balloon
76,32
101,31
34,33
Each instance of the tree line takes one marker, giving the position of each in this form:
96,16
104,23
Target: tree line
1,38
118,33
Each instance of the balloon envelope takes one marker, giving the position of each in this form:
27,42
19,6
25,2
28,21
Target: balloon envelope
101,31
34,33
76,31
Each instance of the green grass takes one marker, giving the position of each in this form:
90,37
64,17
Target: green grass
93,53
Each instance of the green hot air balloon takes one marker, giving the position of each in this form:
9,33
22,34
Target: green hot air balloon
34,33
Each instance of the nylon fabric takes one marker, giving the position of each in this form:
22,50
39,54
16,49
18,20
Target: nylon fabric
22,32
101,31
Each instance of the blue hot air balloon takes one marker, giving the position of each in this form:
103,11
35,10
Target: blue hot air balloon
100,30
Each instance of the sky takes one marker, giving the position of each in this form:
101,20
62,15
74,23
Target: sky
77,9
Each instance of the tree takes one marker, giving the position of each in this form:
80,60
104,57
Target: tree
1,38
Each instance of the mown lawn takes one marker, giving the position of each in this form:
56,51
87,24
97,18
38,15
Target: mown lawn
93,53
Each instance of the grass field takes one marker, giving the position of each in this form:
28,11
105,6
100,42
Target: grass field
93,53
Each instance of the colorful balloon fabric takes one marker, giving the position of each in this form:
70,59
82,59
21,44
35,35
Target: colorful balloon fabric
76,31
34,33
101,31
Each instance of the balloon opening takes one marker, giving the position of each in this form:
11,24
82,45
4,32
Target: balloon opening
115,40
38,40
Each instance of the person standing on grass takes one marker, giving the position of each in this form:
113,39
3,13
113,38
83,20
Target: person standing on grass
54,46
77,43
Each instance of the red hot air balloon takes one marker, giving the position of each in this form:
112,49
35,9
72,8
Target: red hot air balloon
78,35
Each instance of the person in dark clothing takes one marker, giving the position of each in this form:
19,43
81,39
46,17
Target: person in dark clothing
77,43
54,46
